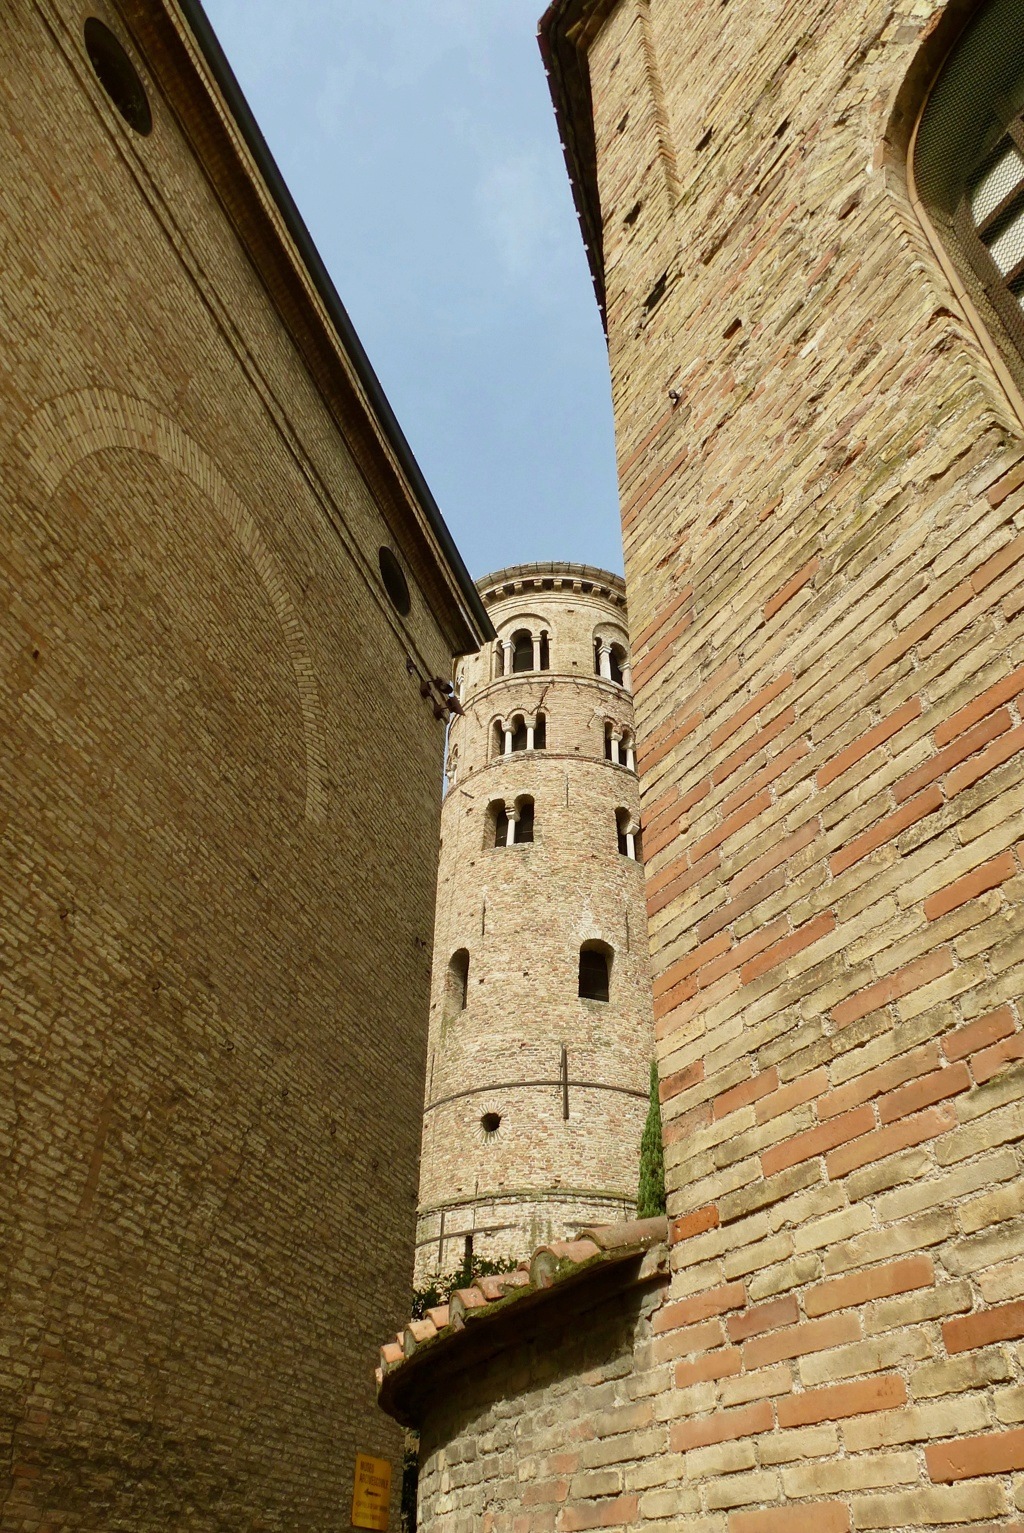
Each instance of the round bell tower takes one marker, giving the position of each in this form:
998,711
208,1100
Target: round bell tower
541,1031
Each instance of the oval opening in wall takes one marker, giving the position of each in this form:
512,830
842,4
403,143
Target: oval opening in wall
395,583
118,75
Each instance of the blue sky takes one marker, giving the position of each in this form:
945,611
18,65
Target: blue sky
418,140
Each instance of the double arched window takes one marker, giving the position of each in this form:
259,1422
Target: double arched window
619,746
968,167
510,824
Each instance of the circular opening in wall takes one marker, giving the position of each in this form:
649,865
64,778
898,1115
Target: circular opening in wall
118,75
490,1123
394,581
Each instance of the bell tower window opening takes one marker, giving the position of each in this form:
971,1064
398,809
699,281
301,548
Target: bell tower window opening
519,739
595,971
628,833
545,652
616,660
540,732
522,651
511,826
523,820
501,825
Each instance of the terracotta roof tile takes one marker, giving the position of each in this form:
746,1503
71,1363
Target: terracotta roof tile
549,1267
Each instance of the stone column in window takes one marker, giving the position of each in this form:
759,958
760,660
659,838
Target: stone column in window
631,829
616,737
513,820
627,675
605,658
506,663
536,651
530,729
507,729
630,757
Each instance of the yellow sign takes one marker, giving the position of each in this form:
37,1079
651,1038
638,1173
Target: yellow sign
371,1492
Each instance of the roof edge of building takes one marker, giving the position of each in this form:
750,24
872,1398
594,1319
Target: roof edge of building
544,568
487,1317
563,33
452,572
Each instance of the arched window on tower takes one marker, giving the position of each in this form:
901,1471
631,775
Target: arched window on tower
522,650
499,823
457,982
540,732
616,660
524,819
595,971
545,652
519,735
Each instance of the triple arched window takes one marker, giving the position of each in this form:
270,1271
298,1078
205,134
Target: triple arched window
520,732
526,649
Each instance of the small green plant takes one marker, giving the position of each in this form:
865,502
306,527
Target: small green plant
441,1289
650,1198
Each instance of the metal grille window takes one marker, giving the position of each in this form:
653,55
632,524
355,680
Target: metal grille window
969,164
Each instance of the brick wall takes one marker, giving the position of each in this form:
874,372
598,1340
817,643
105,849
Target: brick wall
219,814
563,1428
823,518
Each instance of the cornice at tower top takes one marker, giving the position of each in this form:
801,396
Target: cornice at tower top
552,577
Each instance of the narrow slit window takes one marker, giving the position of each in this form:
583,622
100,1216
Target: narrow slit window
457,990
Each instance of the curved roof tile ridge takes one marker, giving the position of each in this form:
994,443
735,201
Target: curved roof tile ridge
550,1266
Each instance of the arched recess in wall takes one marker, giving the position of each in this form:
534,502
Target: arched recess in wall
65,430
951,144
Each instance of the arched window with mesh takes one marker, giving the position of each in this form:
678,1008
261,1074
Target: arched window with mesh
968,167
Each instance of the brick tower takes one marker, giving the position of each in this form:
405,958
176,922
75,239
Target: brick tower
540,1028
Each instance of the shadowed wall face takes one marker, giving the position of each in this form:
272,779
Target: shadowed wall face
219,828
821,476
